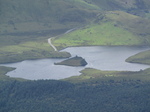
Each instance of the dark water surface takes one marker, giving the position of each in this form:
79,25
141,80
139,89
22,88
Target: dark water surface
99,57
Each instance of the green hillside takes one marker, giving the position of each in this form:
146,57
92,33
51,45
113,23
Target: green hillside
25,26
109,28
136,7
36,15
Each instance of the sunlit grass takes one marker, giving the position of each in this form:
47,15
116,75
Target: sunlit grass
98,34
29,50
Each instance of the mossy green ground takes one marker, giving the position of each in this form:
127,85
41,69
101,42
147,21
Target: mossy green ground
29,50
98,34
143,58
90,74
109,28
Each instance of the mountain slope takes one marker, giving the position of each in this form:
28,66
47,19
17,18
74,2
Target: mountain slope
136,7
36,15
109,28
25,26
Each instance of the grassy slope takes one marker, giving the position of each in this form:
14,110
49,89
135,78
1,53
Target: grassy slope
103,34
24,22
29,50
19,15
134,24
23,39
136,7
28,16
25,26
110,28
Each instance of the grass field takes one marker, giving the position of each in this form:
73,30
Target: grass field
143,58
109,28
28,51
98,34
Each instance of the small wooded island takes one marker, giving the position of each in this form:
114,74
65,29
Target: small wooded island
75,61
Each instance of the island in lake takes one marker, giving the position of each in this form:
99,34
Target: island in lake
75,61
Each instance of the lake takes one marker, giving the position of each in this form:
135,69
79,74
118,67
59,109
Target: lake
99,57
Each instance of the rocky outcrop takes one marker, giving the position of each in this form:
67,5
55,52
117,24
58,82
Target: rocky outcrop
75,61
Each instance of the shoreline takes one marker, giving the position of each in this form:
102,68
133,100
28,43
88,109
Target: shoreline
60,51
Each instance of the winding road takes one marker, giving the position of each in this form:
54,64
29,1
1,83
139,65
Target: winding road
50,43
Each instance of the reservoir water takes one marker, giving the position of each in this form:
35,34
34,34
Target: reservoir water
99,57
